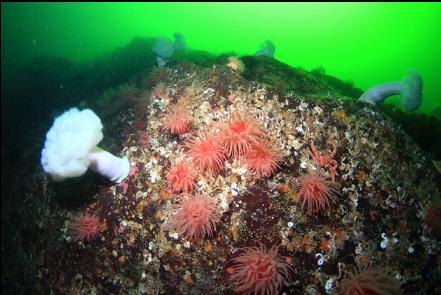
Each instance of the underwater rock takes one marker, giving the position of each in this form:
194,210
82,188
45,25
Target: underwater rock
345,88
290,80
383,186
425,129
437,111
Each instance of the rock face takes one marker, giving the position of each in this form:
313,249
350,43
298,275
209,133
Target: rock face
383,188
290,80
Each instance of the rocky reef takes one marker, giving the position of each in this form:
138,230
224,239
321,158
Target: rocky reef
381,209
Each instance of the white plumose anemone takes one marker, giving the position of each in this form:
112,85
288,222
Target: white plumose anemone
71,148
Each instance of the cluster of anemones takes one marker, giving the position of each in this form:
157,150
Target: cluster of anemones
207,152
240,136
257,269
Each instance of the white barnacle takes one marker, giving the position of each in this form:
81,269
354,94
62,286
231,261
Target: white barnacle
318,109
321,259
329,284
384,242
317,122
390,202
343,210
303,106
402,198
358,249
354,199
154,176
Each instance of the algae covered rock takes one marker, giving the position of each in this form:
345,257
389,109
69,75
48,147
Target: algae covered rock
291,80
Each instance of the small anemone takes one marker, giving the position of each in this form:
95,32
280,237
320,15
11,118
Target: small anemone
195,217
181,177
86,227
260,270
206,151
369,281
239,134
177,120
263,159
314,191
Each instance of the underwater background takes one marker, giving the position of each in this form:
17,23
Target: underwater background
323,57
366,43
97,45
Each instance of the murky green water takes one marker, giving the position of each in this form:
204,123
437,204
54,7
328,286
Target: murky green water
362,42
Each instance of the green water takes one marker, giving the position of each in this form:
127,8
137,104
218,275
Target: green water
367,43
